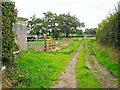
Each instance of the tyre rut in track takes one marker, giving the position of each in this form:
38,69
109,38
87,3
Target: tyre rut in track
104,76
68,78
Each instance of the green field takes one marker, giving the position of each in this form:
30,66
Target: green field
35,42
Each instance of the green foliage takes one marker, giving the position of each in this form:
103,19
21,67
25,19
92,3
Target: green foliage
79,32
85,77
54,25
68,24
8,41
35,26
103,58
108,31
91,31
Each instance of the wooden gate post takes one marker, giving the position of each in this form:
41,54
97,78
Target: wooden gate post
77,38
45,41
61,41
54,43
50,43
58,41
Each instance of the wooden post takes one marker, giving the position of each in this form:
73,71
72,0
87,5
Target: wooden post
45,41
77,38
61,41
50,43
54,43
58,41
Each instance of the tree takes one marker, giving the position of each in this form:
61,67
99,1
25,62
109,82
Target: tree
54,25
91,31
79,32
68,24
35,26
51,22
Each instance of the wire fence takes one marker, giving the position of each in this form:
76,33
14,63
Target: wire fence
48,43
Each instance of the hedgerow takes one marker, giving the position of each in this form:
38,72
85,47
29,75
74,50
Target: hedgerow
108,31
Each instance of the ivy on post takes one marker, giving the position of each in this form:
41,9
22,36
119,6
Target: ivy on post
0,46
8,36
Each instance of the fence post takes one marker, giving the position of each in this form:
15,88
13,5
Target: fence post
49,42
61,41
77,38
58,41
45,41
54,43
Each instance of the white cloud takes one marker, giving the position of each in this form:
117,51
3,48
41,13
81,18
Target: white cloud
89,11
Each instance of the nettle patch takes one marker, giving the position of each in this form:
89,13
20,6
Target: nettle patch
8,36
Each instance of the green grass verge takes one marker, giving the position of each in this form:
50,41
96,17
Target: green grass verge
85,77
79,38
71,48
35,42
103,58
41,69
87,38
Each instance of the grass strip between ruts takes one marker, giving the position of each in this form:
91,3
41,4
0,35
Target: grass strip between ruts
85,77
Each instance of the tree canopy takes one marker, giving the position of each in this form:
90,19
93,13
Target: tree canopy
54,25
91,31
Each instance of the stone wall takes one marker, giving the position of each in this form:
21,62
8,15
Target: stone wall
20,28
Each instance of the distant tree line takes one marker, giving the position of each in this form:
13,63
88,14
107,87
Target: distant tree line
91,31
108,31
54,25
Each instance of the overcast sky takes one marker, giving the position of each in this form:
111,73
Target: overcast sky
92,12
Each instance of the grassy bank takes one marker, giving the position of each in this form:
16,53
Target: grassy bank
85,77
41,69
104,58
71,48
